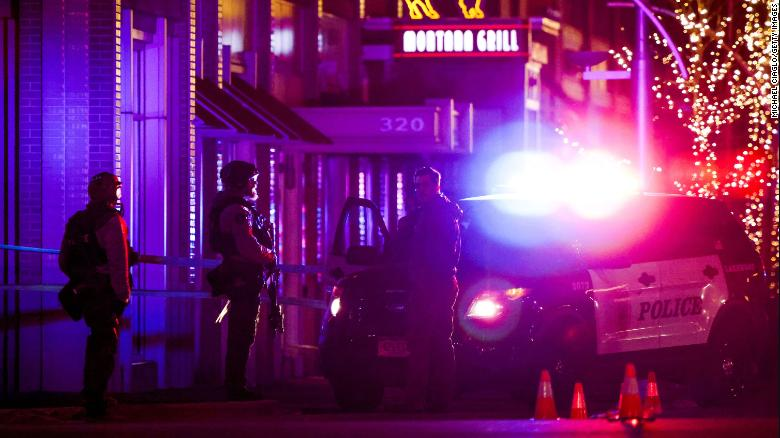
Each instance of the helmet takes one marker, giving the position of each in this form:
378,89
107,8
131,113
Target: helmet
103,187
236,173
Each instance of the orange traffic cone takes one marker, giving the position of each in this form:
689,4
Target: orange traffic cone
630,404
578,409
652,405
545,405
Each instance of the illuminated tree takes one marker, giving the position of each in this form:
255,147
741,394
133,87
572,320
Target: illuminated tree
725,104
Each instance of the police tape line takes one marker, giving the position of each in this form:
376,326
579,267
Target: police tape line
156,293
177,261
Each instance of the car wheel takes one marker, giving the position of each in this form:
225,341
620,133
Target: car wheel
357,395
731,369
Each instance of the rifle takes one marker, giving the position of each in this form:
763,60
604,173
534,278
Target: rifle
266,234
275,317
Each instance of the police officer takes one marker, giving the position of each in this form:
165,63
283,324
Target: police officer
244,239
96,257
431,235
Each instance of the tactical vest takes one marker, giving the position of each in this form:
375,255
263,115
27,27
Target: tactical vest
223,243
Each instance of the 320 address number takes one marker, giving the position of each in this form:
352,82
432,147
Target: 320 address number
401,124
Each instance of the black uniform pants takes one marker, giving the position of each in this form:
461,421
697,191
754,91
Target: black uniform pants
431,363
242,324
100,314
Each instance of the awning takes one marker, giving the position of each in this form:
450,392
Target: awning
275,113
226,117
240,110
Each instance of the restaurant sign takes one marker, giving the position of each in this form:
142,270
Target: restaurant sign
466,40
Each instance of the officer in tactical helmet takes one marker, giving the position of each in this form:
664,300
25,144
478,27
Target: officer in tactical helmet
95,256
244,238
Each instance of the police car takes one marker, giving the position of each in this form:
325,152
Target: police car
665,281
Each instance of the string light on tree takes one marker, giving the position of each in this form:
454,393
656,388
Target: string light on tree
623,58
728,87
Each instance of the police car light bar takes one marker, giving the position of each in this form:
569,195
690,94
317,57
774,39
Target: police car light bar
593,185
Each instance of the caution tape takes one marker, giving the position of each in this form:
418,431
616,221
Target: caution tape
173,261
156,293
177,261
29,249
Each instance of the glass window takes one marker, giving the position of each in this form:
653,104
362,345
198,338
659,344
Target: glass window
234,24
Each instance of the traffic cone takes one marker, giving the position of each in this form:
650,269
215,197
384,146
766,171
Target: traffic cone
578,409
545,405
630,404
652,405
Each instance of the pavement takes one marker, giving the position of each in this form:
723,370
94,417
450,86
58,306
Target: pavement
305,407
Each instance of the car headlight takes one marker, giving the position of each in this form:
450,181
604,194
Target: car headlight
490,305
335,306
485,307
335,303
489,310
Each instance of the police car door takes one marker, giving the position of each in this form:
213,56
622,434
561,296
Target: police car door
360,238
623,298
692,277
691,294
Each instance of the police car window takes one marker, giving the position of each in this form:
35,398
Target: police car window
516,246
483,254
650,228
362,228
732,238
663,228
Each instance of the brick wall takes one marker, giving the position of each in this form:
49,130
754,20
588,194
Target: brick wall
102,83
67,115
30,131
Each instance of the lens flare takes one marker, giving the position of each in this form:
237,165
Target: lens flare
484,313
593,185
531,180
599,185
485,307
335,306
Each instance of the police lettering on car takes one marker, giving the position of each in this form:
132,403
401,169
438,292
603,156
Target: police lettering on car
670,308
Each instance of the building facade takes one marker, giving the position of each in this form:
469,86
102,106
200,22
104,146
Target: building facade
319,94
